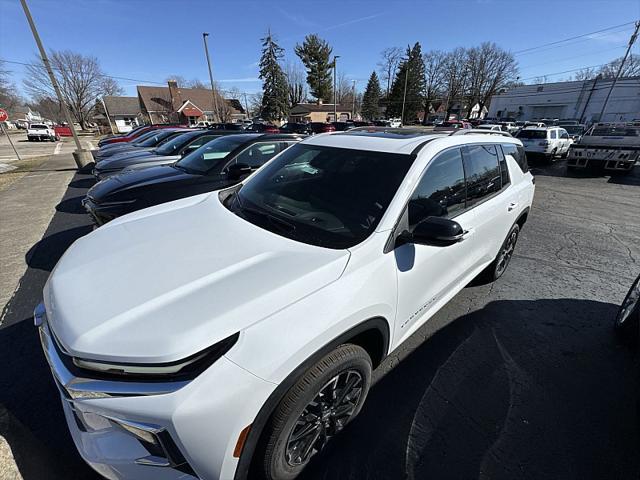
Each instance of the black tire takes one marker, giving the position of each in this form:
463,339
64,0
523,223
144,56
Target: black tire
627,323
348,364
497,268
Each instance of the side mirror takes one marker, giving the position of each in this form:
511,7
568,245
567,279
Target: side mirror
238,170
437,231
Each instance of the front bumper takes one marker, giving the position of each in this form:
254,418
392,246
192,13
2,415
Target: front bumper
197,423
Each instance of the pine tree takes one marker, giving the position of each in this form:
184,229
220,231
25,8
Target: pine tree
315,54
275,101
371,98
411,71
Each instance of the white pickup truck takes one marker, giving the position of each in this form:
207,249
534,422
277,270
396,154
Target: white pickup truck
41,132
612,145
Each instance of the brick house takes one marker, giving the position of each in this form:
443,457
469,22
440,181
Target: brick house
318,112
174,104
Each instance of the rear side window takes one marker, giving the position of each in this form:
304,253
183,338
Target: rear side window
504,170
482,170
553,134
518,154
441,191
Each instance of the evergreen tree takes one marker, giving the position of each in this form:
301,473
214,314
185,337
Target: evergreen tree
411,71
275,101
315,54
371,98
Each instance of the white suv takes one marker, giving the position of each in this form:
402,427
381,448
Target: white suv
549,142
232,334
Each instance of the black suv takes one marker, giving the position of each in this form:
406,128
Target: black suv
218,164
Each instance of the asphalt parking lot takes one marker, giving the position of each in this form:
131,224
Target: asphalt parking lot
517,379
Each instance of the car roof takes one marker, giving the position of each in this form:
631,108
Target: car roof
396,141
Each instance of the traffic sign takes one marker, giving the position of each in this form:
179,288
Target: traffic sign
4,116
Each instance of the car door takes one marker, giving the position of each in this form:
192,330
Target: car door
492,198
426,273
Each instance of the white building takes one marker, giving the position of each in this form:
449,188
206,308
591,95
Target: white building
580,100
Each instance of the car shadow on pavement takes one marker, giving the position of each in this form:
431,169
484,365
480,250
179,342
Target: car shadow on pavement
519,389
71,205
83,183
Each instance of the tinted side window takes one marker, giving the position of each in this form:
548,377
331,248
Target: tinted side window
441,191
258,154
482,169
564,134
198,142
552,135
517,152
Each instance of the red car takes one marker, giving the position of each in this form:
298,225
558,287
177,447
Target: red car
320,127
263,128
135,133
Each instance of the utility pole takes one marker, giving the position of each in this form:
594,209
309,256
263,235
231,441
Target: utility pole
81,156
213,88
353,97
632,40
404,96
246,104
106,112
335,91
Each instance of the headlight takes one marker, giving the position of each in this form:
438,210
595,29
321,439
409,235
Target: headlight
189,367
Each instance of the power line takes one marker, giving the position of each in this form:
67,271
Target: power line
557,42
572,57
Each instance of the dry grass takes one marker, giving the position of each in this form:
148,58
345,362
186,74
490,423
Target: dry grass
23,167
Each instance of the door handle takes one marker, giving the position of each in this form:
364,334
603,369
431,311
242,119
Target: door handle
512,206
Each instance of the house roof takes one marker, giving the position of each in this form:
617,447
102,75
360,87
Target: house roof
190,109
302,108
158,99
122,105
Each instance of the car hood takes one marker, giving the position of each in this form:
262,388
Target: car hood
169,281
136,178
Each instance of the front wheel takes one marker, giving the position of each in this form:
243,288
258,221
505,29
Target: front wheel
321,403
627,324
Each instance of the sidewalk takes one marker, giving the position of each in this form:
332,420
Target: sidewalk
26,208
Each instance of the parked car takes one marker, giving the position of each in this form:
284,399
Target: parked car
300,128
262,128
489,126
509,127
133,134
361,123
219,163
609,145
165,154
575,131
451,125
146,142
41,132
395,122
342,126
321,127
232,334
549,142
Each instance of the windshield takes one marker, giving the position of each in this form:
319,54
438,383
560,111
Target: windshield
532,134
144,137
621,131
173,145
324,196
153,140
212,154
574,129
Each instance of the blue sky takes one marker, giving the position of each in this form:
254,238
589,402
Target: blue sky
153,39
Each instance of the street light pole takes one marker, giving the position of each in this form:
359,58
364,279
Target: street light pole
81,156
353,97
404,96
335,91
213,88
632,40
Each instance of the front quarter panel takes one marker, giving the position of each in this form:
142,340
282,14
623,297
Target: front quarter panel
275,346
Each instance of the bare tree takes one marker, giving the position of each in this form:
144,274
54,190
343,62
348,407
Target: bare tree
388,64
456,77
434,78
495,69
344,89
81,81
255,104
296,83
585,74
9,97
541,79
631,67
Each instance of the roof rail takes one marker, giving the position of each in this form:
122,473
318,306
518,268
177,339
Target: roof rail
472,131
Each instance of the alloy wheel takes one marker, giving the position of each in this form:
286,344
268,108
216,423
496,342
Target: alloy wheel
504,257
327,414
